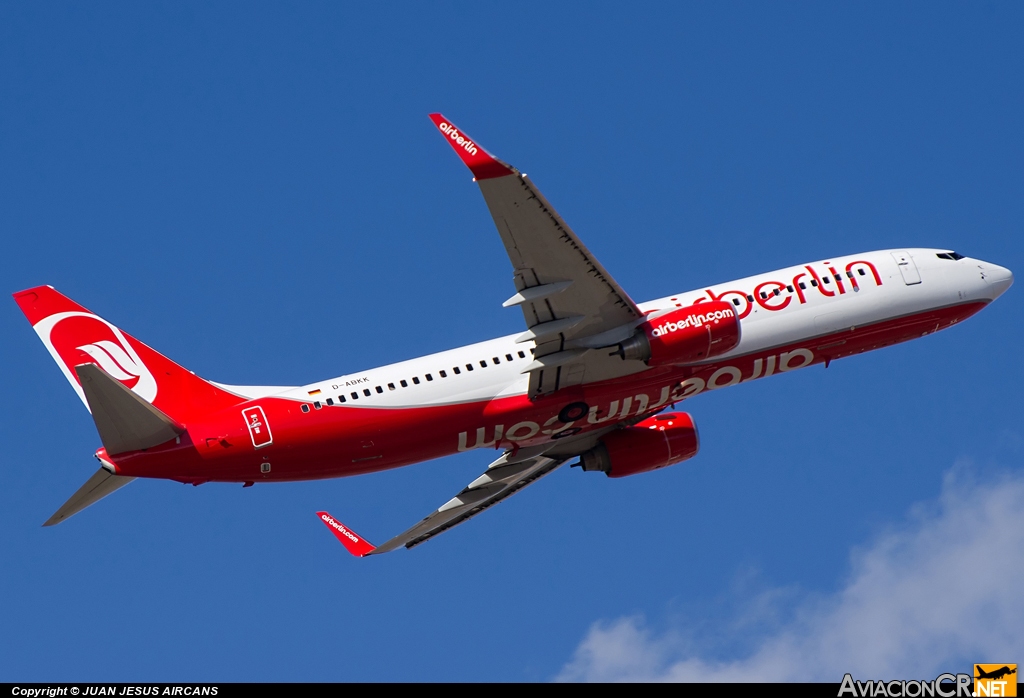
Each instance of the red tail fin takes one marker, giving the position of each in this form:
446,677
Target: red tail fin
75,336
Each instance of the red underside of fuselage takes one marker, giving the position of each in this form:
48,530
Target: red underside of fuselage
337,441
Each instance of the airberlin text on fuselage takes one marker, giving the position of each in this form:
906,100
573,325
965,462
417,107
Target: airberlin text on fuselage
453,133
635,405
778,295
692,321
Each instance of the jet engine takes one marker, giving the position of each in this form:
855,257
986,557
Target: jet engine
684,335
655,442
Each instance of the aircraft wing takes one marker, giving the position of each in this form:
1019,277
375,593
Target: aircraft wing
503,478
570,302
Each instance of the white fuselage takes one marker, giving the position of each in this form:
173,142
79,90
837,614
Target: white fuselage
925,282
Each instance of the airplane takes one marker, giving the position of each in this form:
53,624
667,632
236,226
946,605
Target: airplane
995,674
588,380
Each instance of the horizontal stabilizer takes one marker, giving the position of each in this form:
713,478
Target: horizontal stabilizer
102,483
125,421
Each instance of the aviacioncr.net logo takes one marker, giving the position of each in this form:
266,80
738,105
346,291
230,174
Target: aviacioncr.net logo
942,686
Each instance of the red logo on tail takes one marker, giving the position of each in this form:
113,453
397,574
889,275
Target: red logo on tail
76,337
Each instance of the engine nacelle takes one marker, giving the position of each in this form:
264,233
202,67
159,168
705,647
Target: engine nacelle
657,441
684,335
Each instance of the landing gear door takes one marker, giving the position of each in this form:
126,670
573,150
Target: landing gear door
907,267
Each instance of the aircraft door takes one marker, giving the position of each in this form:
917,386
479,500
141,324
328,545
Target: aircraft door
909,270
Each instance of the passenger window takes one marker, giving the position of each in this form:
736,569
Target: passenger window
416,380
838,278
496,360
826,280
789,288
442,374
391,386
456,369
735,301
750,298
776,292
403,383
522,355
508,357
379,390
814,282
849,273
469,367
317,405
305,407
428,377
366,392
483,363
803,285
330,401
764,296
341,398
862,272
355,396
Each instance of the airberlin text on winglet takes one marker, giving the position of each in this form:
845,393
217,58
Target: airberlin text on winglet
453,133
482,164
353,543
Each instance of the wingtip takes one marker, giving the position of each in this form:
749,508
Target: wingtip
353,542
482,164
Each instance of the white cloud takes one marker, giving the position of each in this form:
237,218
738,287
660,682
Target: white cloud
939,593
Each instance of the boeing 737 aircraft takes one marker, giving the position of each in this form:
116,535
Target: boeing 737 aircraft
589,378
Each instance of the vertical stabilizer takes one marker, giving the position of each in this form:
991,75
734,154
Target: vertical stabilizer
75,336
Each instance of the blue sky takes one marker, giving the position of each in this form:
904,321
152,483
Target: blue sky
256,191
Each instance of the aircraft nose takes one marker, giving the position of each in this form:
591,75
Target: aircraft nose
998,279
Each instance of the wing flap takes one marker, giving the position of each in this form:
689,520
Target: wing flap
544,250
468,504
502,479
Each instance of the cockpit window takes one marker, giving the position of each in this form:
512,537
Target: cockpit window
949,255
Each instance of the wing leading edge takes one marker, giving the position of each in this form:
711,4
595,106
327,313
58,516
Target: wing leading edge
570,303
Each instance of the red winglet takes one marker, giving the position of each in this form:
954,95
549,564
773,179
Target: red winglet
479,161
360,547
